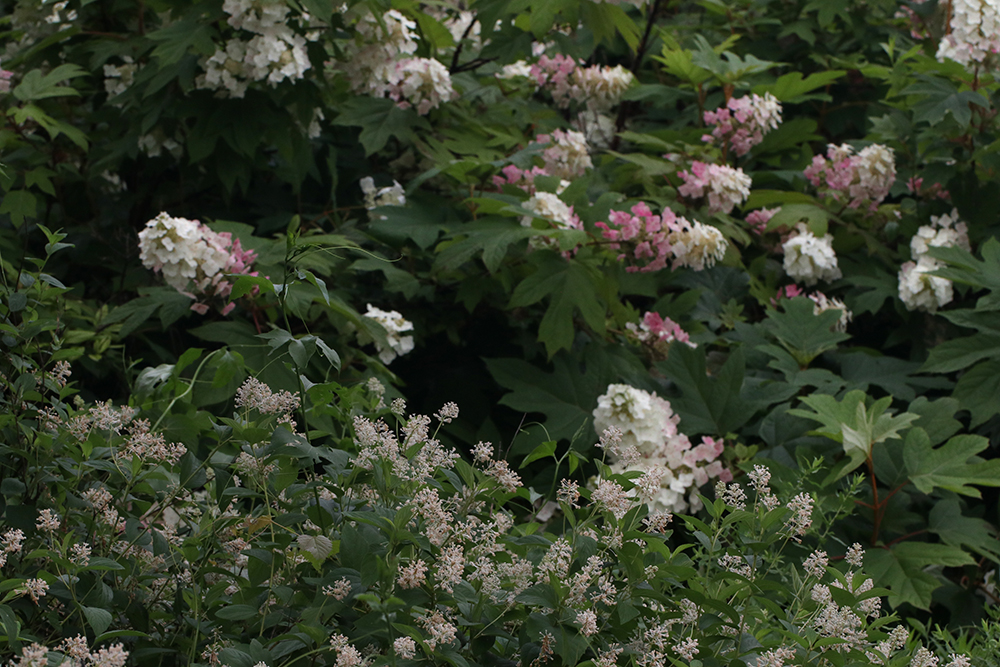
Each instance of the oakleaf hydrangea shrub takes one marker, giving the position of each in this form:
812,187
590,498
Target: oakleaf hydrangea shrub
564,213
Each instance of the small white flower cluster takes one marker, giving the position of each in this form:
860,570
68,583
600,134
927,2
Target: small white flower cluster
918,289
394,325
724,186
808,258
118,78
975,31
275,52
696,245
187,252
650,443
567,155
394,195
378,64
154,143
60,14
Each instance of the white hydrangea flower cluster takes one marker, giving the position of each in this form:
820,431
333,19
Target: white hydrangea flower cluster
192,256
555,211
154,143
394,325
118,78
810,259
601,88
724,186
378,64
974,31
371,60
275,52
696,245
394,195
918,289
648,424
423,83
824,303
181,250
567,155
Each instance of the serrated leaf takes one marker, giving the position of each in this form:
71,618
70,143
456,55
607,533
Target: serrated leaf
570,287
978,391
947,522
803,333
792,87
901,570
38,86
708,404
954,466
379,120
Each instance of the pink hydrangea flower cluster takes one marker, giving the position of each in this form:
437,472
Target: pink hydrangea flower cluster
642,234
645,438
5,76
188,253
650,240
520,178
724,186
744,121
860,179
599,88
758,219
555,74
915,185
657,333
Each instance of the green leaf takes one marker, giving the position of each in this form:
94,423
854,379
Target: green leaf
792,88
245,284
11,626
379,120
901,570
935,97
953,466
803,333
238,612
568,395
954,528
36,86
99,619
546,449
853,424
492,236
180,37
19,204
961,353
570,286
978,391
708,404
815,217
